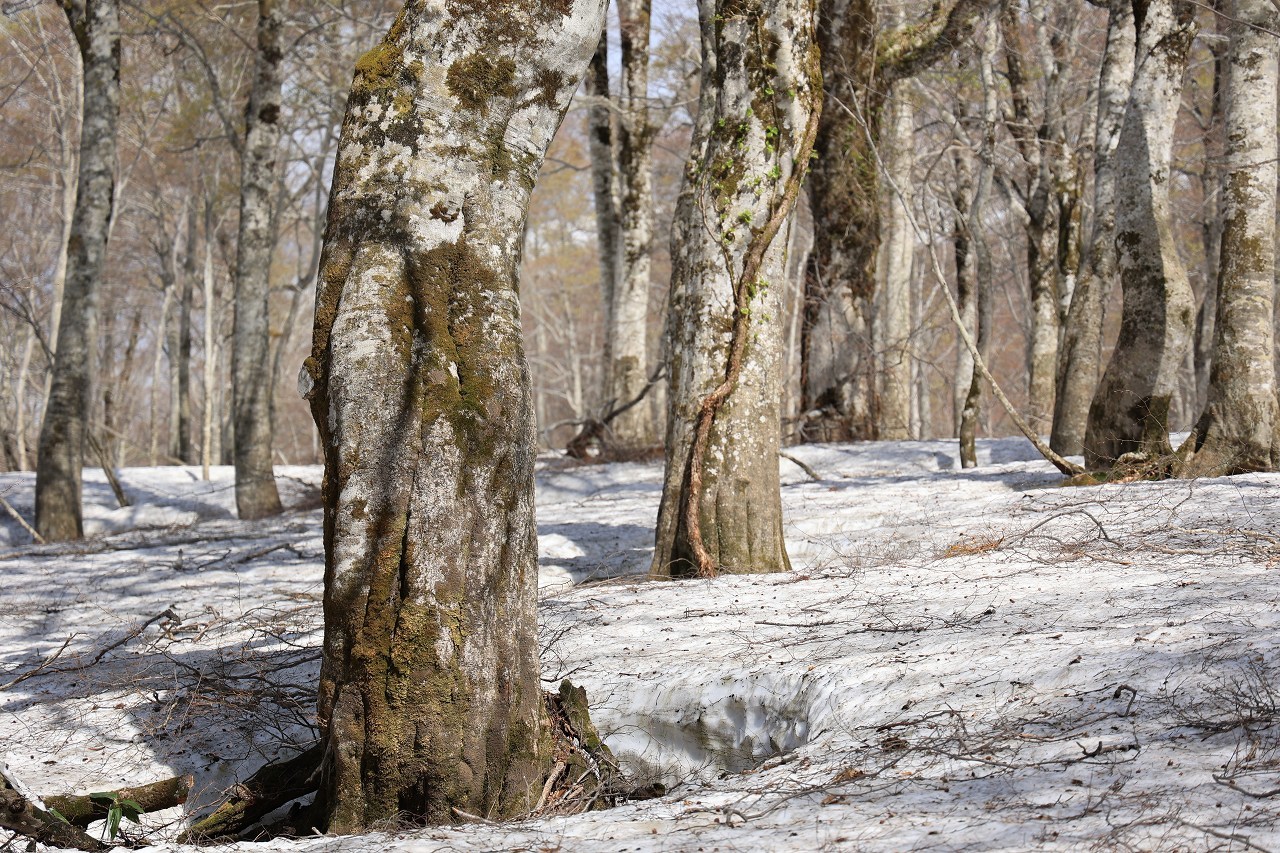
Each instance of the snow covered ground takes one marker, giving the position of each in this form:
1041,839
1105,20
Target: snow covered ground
974,660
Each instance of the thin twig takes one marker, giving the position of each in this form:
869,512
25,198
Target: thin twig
41,667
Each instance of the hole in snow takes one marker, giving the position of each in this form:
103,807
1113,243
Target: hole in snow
734,729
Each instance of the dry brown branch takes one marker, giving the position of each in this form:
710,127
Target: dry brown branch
39,668
22,522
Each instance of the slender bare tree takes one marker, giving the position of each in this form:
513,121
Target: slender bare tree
63,433
628,331
251,381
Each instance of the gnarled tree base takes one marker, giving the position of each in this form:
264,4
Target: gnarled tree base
581,775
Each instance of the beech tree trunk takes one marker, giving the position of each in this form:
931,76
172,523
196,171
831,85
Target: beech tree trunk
1236,434
1130,410
758,114
251,380
604,186
181,445
96,26
628,330
20,398
838,367
973,253
896,261
430,701
1080,358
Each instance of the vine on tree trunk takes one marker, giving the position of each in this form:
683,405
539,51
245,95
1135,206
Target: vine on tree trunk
743,291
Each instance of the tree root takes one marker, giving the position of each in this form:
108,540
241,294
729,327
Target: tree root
266,790
583,776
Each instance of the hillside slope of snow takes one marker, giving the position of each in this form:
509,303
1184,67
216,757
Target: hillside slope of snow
977,660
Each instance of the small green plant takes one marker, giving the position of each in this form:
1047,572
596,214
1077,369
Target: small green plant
117,808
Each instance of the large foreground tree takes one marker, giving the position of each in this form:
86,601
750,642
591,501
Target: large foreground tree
430,700
757,120
64,432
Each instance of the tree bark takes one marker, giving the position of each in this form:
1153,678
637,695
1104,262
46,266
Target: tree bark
251,382
430,702
897,254
975,261
1211,187
1130,410
211,350
1236,432
758,115
628,333
838,368
162,331
20,399
604,186
181,446
1081,354
966,281
96,26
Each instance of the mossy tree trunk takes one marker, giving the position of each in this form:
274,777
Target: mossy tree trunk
430,702
1080,357
96,26
840,397
761,92
251,379
1236,433
1130,409
838,388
